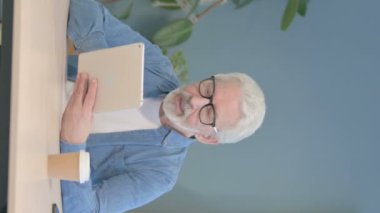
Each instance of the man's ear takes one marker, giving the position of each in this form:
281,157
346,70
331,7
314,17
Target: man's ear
207,139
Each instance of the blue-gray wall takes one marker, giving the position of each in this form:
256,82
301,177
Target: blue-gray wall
318,149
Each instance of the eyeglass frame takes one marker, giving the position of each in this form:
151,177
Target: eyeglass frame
210,98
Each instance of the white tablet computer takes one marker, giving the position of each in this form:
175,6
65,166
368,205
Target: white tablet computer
120,74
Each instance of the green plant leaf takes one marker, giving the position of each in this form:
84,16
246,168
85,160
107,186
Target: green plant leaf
174,33
167,4
126,12
241,3
180,66
289,13
164,51
302,7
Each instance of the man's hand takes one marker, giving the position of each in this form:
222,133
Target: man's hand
77,118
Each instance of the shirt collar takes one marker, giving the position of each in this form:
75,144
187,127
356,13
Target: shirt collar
174,138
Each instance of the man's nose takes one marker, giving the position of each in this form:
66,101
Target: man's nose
198,101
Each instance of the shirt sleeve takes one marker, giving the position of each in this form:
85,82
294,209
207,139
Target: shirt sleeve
116,194
67,147
91,26
85,27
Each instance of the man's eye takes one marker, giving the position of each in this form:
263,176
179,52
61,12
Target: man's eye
207,114
210,113
209,91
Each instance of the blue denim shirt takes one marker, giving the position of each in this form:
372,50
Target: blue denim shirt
128,169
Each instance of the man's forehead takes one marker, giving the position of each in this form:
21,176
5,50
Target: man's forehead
227,99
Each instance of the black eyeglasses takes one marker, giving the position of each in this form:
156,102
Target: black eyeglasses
207,112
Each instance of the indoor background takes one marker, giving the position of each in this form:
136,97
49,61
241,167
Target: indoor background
318,149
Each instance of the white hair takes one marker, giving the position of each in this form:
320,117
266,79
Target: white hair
252,106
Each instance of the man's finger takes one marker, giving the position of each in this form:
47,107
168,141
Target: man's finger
90,97
75,88
80,88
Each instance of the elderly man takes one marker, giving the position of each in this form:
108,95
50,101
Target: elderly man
132,168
